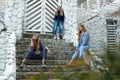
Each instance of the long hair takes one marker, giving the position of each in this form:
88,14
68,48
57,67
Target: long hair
61,11
36,43
79,32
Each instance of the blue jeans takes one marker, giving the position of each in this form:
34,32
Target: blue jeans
81,51
58,23
32,56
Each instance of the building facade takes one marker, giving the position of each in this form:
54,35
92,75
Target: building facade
101,17
26,16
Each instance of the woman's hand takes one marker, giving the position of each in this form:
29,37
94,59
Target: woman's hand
77,50
32,42
53,18
48,50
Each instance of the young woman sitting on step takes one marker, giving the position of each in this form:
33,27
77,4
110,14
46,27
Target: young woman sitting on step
83,43
37,50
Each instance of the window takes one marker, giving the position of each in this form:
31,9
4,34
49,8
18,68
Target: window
111,37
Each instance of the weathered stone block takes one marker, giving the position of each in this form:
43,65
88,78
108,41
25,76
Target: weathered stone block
2,66
10,3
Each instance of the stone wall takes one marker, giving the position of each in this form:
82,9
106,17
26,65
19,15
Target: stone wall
14,16
11,16
70,24
98,33
7,58
95,21
3,42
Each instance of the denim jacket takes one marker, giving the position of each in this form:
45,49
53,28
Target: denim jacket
84,40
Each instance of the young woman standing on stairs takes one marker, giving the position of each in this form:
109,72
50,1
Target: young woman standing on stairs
37,50
83,44
59,20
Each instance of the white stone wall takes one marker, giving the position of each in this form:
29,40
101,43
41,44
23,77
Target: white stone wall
95,21
70,24
98,33
14,16
3,42
7,58
14,23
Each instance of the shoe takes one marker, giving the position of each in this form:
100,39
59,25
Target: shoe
58,38
22,64
43,65
61,36
54,37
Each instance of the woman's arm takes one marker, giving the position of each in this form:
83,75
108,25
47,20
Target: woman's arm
86,39
48,50
32,42
45,48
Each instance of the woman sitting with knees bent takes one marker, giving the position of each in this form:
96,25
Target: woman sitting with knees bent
59,20
83,43
37,50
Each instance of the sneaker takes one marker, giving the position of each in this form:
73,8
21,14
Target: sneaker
61,36
22,64
58,38
43,65
54,37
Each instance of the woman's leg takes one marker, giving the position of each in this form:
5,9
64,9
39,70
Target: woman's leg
55,28
60,28
82,50
44,56
73,57
87,58
28,55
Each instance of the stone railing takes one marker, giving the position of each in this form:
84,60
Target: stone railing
9,72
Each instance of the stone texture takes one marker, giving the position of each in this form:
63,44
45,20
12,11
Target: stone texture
61,53
70,24
2,66
14,16
9,59
95,21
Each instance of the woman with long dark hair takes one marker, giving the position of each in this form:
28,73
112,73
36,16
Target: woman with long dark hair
37,50
83,43
59,20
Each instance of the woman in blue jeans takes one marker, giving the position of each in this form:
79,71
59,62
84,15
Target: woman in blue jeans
37,50
59,20
83,43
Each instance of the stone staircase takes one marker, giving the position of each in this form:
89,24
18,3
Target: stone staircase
61,53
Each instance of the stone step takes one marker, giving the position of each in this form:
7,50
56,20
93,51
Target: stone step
42,39
61,53
53,43
50,57
56,44
47,62
52,48
56,52
48,68
47,79
29,35
52,73
37,68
